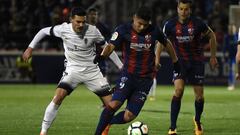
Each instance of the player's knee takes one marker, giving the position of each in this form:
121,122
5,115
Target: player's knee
59,96
58,100
179,92
129,116
115,105
199,98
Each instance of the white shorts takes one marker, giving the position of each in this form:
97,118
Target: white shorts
90,76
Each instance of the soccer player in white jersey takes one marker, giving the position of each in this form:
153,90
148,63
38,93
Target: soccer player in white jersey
79,40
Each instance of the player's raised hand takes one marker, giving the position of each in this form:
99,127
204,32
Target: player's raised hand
27,54
213,63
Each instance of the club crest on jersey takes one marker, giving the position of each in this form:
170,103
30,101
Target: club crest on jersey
85,40
148,38
190,31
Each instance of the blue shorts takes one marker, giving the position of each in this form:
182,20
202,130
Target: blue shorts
133,89
192,73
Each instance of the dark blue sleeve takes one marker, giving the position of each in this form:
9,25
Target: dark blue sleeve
203,27
166,29
161,36
117,36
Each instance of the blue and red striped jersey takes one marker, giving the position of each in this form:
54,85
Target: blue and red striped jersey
186,38
138,48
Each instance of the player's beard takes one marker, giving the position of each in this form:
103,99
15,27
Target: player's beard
79,29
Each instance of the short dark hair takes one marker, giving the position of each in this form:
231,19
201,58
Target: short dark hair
185,2
78,11
144,13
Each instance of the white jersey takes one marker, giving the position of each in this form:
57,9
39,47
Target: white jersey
79,48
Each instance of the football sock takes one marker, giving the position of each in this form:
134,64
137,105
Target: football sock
49,116
118,119
105,119
152,91
198,109
175,108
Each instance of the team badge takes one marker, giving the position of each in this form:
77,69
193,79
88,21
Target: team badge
190,31
148,38
85,40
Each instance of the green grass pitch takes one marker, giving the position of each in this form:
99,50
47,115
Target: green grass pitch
22,108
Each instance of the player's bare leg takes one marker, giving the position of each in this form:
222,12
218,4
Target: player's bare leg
51,110
106,99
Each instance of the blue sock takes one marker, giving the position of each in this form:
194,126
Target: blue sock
199,109
118,119
105,119
175,108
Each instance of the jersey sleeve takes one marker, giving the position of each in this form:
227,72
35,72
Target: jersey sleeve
99,40
166,30
161,36
116,38
57,30
202,26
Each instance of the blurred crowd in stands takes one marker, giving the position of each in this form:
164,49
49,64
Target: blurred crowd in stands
22,19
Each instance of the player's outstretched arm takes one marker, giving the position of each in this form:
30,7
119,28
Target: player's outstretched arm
27,54
40,35
107,50
116,60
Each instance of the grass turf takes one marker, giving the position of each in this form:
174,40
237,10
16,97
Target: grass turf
22,108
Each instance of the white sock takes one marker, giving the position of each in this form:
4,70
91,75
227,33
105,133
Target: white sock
152,91
49,116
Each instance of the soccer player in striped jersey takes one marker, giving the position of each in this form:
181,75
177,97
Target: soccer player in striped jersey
141,45
79,40
186,32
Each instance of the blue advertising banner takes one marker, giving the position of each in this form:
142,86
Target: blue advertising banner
47,67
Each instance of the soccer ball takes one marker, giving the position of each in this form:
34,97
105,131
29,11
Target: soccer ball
137,128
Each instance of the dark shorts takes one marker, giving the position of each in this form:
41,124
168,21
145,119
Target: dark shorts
134,90
192,73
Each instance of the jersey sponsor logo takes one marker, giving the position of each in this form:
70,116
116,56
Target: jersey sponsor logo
184,39
114,36
140,46
75,49
199,76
